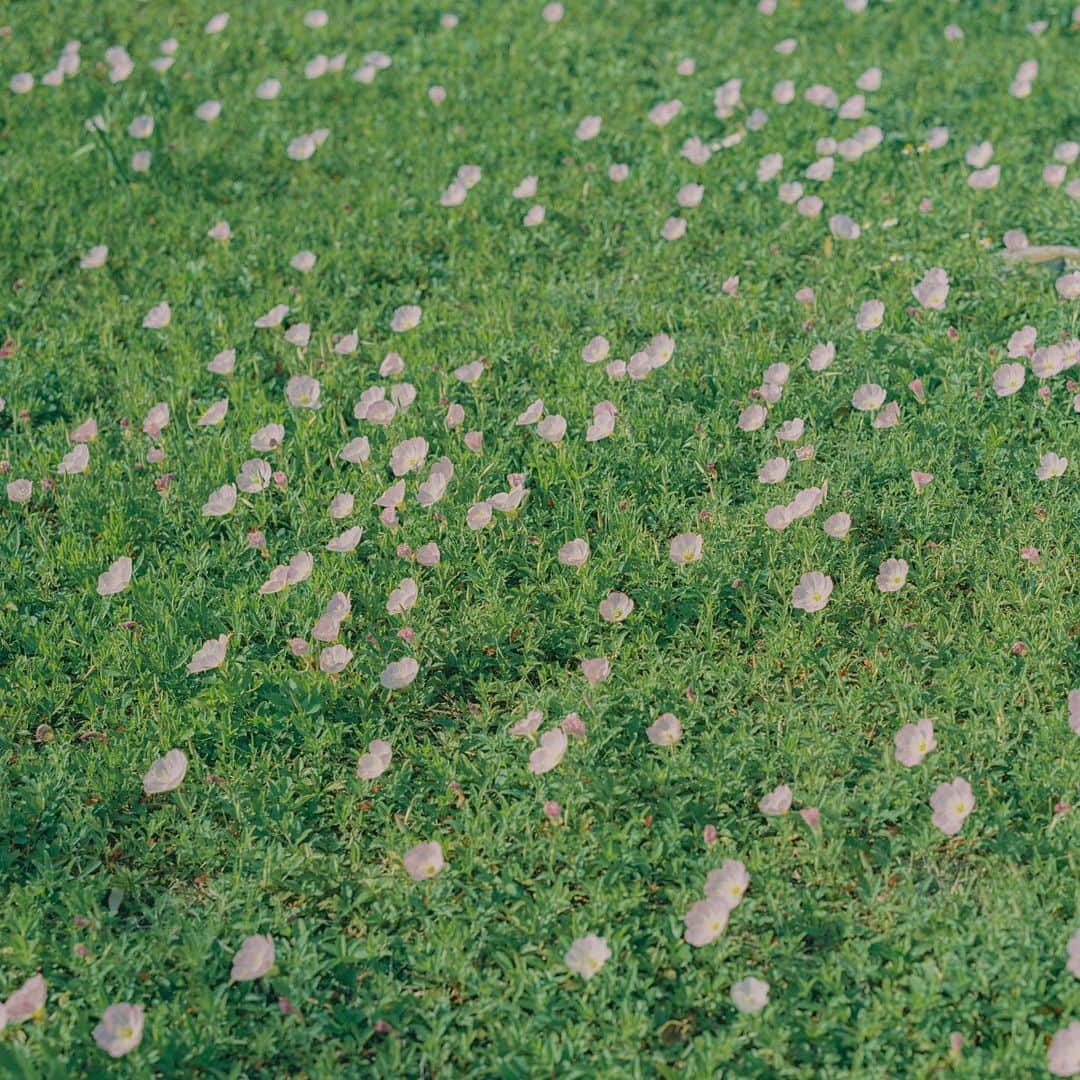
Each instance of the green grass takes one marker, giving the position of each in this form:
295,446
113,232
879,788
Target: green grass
880,937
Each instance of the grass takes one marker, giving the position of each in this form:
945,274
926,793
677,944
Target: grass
879,937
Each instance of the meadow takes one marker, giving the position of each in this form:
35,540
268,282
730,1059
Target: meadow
540,540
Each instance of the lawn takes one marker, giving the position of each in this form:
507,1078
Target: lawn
458,796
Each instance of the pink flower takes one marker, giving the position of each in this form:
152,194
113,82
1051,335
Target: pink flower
838,525
158,317
871,315
408,456
821,356
985,179
1074,710
572,724
813,592
686,548
750,996
921,479
616,607
914,742
552,810
303,392
778,518
1022,342
20,491
674,228
405,318
166,773
844,228
335,659
1030,554
596,670
773,471
892,575
551,428
549,753
116,578
791,430
1008,379
777,802
253,959
752,418
220,502
705,921
811,815
27,1001
728,883
428,555
1063,1055
376,761
211,654
1068,286
933,289
589,128
868,398
424,861
399,674
120,1029
1051,466
666,731
1073,948
951,804
574,553
587,956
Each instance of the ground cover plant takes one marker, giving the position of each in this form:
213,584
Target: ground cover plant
540,540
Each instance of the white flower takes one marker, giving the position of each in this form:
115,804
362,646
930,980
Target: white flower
254,958
751,995
587,956
166,773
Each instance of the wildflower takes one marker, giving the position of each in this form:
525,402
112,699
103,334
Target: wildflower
892,574
868,398
1051,466
27,1001
1063,1054
399,674
951,804
666,731
166,773
751,995
120,1029
933,289
574,553
686,548
253,959
837,526
116,578
777,802
870,316
705,921
589,128
587,956
210,655
914,742
1008,379
813,592
616,607
549,753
